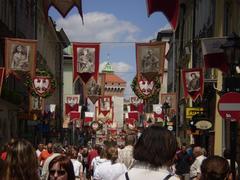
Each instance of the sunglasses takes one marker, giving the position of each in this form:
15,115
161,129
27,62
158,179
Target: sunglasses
59,172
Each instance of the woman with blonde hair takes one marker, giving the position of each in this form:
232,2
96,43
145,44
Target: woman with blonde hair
21,162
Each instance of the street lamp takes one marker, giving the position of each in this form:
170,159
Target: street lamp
232,51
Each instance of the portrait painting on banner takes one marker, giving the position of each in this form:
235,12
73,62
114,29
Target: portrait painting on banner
20,55
171,99
150,57
85,60
36,103
105,104
192,81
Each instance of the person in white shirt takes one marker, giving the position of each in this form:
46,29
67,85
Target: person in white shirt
98,159
195,169
39,149
110,170
154,153
77,166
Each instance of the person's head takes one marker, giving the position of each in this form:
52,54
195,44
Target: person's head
112,153
50,147
21,161
184,147
197,151
227,154
61,168
130,140
156,146
56,148
40,147
193,75
215,168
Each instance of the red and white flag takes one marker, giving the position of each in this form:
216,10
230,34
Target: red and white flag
71,103
214,56
193,83
88,117
170,9
85,61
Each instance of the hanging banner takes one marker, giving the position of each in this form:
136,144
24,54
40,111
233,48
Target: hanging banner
105,105
193,83
150,60
63,6
171,99
75,115
20,56
85,61
71,103
2,73
93,90
213,54
36,103
157,111
88,117
136,104
169,8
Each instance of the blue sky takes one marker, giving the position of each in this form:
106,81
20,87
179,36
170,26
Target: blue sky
117,25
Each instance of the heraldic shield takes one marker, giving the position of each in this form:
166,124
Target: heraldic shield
41,85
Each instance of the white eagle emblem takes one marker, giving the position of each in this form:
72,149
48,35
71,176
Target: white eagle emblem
146,87
41,85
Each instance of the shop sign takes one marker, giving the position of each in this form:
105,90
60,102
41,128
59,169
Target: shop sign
190,112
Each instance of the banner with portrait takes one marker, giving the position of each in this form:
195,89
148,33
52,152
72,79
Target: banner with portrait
71,103
93,90
157,111
150,59
193,83
171,99
20,56
2,73
85,61
105,105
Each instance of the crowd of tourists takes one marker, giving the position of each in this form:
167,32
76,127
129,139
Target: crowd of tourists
154,155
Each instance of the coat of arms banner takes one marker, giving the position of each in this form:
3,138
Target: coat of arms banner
85,61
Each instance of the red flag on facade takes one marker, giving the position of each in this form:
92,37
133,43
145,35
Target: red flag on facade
85,61
133,115
193,83
63,7
105,105
170,8
213,55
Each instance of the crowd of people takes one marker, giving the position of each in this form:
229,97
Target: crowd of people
153,155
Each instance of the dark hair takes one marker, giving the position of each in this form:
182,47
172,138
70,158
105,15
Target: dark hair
64,163
214,168
21,161
227,154
156,146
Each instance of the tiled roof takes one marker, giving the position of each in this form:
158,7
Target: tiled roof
113,78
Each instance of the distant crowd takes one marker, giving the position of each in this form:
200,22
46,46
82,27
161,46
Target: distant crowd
154,155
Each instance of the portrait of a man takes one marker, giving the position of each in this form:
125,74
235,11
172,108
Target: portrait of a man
85,60
193,81
20,57
105,104
150,62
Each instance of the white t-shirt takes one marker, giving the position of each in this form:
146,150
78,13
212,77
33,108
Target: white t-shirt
77,166
109,171
195,168
141,173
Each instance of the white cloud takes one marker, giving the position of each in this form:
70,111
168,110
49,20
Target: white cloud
98,26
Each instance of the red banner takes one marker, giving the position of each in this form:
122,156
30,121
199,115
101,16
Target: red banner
193,83
20,56
75,115
71,103
85,61
169,7
105,105
63,7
